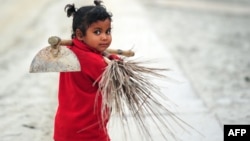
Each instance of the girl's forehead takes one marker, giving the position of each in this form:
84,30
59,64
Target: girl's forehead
100,23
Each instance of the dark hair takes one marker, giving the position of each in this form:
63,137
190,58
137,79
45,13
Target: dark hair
86,15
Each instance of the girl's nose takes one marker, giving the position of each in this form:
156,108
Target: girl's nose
104,37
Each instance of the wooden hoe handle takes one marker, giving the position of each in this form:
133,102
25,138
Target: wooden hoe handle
54,41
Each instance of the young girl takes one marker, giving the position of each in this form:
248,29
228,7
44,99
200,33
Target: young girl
87,97
78,116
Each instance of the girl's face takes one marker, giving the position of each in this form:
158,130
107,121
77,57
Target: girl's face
98,35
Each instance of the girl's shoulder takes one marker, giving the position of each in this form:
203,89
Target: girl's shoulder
90,59
92,64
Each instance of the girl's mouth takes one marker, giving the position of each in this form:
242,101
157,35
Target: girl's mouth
104,45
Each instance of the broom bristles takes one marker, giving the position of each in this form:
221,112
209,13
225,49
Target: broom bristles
127,88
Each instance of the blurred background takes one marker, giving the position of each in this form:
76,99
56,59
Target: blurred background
208,40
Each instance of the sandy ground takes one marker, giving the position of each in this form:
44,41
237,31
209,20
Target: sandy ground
210,42
210,46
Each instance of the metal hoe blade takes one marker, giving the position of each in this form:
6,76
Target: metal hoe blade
50,59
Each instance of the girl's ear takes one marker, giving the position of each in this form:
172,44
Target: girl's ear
79,34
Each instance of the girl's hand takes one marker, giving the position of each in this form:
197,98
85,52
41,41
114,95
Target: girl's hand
114,57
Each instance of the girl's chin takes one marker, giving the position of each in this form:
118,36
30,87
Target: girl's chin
102,49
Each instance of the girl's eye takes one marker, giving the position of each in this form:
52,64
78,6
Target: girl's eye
97,32
108,31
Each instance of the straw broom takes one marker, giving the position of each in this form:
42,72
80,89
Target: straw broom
127,89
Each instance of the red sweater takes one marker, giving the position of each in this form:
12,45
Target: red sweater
78,116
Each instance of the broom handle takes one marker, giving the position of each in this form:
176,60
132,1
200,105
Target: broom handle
53,41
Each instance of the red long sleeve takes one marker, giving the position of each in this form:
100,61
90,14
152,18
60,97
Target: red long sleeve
78,116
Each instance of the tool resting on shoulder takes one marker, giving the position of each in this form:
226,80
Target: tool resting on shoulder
55,41
58,58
